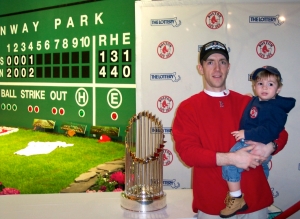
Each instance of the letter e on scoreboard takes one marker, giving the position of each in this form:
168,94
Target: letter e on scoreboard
114,98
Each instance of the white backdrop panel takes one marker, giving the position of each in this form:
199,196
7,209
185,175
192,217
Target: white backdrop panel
242,39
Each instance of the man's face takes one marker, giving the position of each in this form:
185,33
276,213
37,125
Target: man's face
215,70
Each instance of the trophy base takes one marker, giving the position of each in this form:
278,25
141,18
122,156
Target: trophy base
143,204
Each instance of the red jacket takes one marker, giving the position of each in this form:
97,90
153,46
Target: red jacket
201,128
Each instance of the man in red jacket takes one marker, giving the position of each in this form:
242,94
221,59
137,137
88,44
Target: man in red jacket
201,131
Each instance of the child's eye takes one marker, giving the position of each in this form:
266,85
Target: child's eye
271,84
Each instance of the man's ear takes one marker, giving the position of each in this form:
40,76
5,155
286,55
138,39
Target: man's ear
200,69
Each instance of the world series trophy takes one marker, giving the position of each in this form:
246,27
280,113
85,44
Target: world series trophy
144,143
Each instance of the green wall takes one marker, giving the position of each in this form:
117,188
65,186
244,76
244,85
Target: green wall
14,6
68,64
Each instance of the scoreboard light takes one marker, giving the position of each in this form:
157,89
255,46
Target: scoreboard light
8,106
14,107
81,113
114,116
30,108
78,57
36,109
54,110
61,111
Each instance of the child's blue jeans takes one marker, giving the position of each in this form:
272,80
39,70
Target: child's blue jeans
232,173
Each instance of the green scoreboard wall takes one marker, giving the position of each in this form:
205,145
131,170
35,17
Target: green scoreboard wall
69,63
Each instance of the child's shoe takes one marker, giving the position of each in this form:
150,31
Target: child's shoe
233,205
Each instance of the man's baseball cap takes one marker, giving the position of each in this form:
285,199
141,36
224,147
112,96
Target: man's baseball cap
268,68
213,47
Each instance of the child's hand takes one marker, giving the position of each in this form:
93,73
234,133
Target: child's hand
238,135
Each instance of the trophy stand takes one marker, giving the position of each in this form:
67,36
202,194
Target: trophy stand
144,142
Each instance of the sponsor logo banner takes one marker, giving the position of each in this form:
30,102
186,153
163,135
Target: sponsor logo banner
165,22
165,76
266,19
171,183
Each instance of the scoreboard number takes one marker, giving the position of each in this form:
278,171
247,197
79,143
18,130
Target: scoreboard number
18,61
114,72
114,57
102,71
112,63
126,71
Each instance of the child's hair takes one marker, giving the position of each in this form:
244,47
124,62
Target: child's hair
266,74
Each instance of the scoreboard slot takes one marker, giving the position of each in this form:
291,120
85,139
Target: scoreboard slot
55,65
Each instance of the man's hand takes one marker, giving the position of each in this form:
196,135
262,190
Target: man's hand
264,150
241,158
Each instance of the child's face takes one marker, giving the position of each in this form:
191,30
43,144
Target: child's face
266,88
